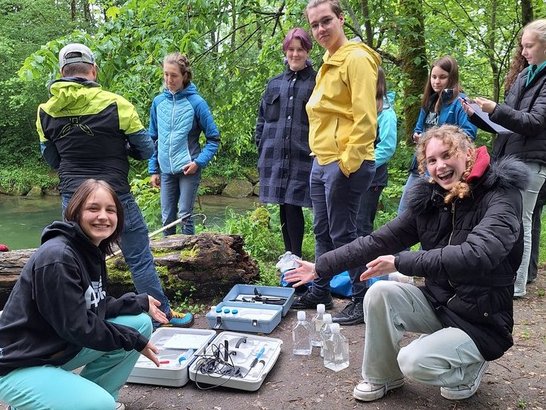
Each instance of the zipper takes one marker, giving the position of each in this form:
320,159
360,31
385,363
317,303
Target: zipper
171,133
449,241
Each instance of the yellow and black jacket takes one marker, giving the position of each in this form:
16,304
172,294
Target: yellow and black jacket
86,132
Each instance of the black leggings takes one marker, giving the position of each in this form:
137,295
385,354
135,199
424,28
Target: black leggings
292,225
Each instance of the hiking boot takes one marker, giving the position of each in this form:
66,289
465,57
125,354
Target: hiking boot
352,314
366,391
310,300
464,391
178,319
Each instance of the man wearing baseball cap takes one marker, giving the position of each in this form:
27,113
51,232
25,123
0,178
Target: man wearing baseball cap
87,132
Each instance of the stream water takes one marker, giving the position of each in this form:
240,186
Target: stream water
23,219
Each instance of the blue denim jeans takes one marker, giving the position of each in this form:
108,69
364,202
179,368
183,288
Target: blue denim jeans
403,205
178,193
336,199
135,246
367,210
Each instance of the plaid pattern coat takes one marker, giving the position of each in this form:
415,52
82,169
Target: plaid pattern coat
282,138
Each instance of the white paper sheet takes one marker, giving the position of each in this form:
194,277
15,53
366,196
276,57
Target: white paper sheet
485,117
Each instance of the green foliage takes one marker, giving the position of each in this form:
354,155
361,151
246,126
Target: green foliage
22,178
263,240
24,26
147,199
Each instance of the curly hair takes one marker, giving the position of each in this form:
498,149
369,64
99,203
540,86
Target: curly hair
459,144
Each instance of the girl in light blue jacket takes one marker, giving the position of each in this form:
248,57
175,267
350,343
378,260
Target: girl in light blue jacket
177,118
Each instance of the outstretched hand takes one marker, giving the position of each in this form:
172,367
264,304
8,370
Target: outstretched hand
380,266
155,312
305,273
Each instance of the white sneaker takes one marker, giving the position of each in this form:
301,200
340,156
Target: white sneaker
119,406
366,391
464,391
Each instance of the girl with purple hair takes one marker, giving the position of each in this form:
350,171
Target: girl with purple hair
282,132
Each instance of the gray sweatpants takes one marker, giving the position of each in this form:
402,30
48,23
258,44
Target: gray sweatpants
441,356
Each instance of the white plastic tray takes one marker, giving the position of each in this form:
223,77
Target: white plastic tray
178,348
248,361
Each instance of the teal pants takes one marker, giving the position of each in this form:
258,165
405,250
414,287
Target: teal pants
96,387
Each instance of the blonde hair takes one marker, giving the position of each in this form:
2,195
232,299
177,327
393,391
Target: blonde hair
459,144
538,27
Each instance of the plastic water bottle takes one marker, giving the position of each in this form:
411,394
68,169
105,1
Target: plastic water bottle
336,350
316,323
287,262
399,277
325,331
301,336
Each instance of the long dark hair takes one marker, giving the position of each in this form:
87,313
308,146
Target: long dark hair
381,90
75,206
517,65
448,64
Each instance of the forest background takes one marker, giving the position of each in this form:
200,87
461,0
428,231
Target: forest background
235,47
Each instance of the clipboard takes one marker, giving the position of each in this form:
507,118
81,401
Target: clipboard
485,118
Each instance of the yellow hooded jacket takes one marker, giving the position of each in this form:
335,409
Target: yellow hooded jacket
342,110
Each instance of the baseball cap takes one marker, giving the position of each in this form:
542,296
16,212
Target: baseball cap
75,53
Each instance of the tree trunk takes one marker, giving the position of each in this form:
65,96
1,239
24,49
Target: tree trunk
201,267
414,59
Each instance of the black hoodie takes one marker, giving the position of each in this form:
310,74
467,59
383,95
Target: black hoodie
59,305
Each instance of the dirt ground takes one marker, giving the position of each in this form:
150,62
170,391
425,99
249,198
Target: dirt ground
515,381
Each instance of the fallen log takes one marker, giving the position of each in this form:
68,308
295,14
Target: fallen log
201,267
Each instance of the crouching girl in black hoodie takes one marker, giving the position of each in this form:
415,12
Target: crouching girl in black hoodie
59,317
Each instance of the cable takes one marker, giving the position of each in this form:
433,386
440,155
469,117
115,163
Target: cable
214,365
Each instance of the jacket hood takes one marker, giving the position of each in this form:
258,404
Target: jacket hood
507,172
388,100
349,47
69,230
183,93
68,94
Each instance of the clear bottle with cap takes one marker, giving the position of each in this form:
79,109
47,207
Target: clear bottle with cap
316,322
301,336
325,331
336,350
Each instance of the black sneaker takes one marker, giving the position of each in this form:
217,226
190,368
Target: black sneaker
352,314
310,300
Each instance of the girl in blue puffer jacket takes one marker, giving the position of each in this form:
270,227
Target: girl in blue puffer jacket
177,117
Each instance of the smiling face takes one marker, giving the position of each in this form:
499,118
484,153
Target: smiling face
439,79
296,55
173,77
327,28
533,49
98,218
446,165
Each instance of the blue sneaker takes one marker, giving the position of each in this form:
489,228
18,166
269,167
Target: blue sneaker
177,319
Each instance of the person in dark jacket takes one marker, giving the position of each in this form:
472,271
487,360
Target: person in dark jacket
87,132
467,218
59,316
282,138
523,114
